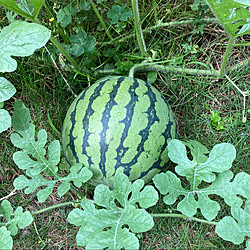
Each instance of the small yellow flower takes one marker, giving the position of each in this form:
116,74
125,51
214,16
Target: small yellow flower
51,19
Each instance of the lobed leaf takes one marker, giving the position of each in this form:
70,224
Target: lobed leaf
234,15
20,39
220,159
237,228
19,218
109,227
78,175
198,151
64,16
170,185
6,241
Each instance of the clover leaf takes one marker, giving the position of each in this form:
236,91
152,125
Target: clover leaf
64,16
119,13
81,43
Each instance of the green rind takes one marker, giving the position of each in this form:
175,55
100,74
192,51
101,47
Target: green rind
119,124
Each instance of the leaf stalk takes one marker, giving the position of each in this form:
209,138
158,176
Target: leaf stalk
185,217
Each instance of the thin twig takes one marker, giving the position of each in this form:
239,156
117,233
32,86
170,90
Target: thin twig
9,195
60,72
245,94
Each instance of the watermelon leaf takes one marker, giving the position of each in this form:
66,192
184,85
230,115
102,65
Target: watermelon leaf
237,228
7,89
5,120
198,150
78,175
6,241
109,226
234,15
219,161
36,161
19,218
20,39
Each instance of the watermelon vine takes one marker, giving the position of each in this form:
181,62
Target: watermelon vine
97,144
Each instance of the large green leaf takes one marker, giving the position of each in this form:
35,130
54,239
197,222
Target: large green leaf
20,39
219,161
15,7
36,160
234,15
170,186
106,227
237,228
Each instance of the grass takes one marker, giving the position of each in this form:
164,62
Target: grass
41,87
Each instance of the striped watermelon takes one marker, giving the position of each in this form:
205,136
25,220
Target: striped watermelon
119,124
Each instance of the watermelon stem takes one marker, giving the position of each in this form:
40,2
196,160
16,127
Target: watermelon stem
145,67
185,217
138,29
160,25
226,56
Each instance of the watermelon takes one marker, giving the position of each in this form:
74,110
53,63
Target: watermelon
119,125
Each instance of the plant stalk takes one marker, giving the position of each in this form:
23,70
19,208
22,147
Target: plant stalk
138,29
100,19
226,56
155,67
70,203
162,25
185,217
